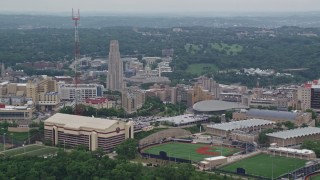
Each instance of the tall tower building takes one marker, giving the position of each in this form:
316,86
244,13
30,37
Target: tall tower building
115,68
3,71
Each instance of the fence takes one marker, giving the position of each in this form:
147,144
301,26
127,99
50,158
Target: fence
166,158
244,175
13,143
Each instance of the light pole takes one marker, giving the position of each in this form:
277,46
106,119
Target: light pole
4,142
11,134
29,134
272,166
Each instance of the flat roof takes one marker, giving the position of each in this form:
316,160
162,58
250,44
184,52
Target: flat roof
216,105
297,151
229,126
273,114
77,122
214,158
293,133
184,119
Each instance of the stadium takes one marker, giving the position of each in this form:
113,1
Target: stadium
185,151
216,106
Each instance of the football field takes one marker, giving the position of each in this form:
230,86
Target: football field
31,150
190,151
266,165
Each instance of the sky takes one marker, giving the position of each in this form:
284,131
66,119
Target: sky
159,6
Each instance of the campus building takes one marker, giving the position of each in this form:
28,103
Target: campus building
294,136
298,118
100,102
251,125
115,68
90,132
85,91
15,114
132,99
43,91
293,153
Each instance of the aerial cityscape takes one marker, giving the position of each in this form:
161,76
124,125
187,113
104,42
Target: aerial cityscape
160,90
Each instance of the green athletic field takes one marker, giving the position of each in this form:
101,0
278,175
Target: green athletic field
31,150
261,165
189,150
315,177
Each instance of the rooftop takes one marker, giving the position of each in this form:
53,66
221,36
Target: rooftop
77,122
184,119
297,151
215,105
293,133
274,114
240,124
214,158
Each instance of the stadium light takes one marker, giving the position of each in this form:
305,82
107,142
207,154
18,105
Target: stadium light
4,142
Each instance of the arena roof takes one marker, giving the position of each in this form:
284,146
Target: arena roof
240,124
77,122
274,114
215,105
293,133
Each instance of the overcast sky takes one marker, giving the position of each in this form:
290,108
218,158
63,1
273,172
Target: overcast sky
158,6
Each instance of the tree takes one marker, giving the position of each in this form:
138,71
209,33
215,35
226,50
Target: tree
313,145
67,110
263,138
289,124
127,149
215,119
229,115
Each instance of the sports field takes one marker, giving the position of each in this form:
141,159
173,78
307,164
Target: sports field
315,177
194,152
31,150
264,164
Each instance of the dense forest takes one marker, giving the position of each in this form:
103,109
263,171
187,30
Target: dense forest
80,165
225,48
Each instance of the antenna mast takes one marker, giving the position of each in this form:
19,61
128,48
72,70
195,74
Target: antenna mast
76,18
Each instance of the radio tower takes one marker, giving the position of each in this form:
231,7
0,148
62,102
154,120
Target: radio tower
76,18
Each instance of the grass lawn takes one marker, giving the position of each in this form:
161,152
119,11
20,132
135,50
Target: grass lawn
1,147
201,68
189,150
261,165
31,150
20,136
142,134
232,49
315,177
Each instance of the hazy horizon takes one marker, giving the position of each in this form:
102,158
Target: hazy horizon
176,7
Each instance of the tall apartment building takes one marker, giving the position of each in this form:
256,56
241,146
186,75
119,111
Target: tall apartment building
43,91
304,97
200,94
211,85
115,68
67,91
180,95
315,97
133,98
